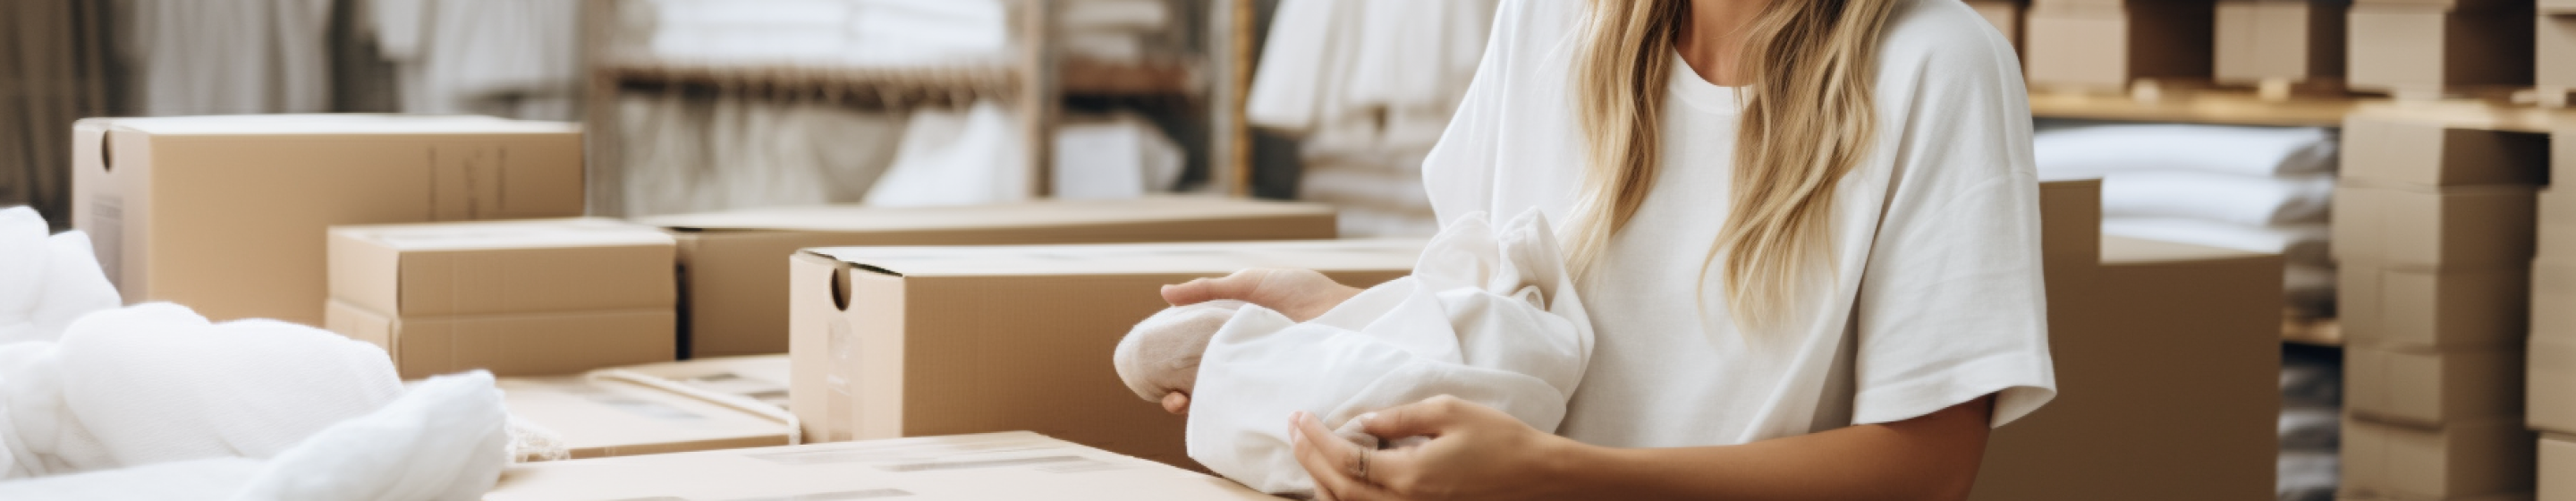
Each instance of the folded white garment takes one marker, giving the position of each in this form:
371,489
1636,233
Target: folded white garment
1118,156
2229,198
1489,315
2244,151
1115,15
2296,243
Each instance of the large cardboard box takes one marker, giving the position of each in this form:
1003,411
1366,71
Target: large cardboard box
2425,50
2094,46
2419,228
511,344
2457,460
2551,387
484,267
2168,369
2431,387
994,466
2553,299
2004,14
915,341
226,214
2557,7
2554,52
2427,309
2279,40
620,414
2557,468
2421,151
2555,239
733,264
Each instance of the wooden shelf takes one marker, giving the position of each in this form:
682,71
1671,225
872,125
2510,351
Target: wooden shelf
2324,332
1105,78
2217,107
995,79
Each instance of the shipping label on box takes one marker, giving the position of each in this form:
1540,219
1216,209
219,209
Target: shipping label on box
488,267
515,344
2453,461
909,341
2431,388
1017,465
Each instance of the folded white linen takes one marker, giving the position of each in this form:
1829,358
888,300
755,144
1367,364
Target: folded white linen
2229,198
1489,315
2296,243
2243,151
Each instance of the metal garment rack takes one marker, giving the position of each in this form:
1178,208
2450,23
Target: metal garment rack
1034,81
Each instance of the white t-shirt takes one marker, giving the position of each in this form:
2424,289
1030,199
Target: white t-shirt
1943,298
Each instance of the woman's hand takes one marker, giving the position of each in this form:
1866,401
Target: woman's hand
1300,294
1475,452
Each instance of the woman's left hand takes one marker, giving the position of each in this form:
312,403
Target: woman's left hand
1475,452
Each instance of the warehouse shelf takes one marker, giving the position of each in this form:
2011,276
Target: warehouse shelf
2325,332
998,79
2217,107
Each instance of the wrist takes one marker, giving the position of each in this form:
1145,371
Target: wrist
1563,464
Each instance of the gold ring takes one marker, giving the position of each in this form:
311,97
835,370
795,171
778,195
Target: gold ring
1360,469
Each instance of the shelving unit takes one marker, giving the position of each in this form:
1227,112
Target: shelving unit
2216,107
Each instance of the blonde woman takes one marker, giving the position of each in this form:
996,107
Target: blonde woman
1806,230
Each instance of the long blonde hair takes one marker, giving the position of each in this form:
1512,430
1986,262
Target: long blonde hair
1810,119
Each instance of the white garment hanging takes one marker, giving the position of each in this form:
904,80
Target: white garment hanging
968,157
222,57
512,58
1489,315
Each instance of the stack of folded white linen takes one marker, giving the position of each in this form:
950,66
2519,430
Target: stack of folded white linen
2261,189
1368,86
895,32
153,402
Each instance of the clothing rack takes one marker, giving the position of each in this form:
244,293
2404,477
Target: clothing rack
1034,81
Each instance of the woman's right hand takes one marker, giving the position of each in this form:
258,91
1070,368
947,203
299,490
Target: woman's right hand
1302,295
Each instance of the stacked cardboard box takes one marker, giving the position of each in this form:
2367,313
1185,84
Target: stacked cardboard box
2108,44
2426,48
2434,231
2283,41
1016,465
2551,397
2004,14
225,214
733,265
2555,51
718,403
529,297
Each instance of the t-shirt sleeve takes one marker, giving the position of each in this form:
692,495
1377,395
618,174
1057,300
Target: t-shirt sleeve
1951,304
1458,172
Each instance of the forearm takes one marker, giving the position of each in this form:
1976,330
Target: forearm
1930,458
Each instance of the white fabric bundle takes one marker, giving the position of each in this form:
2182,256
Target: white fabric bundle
1489,315
1161,355
2226,198
1114,157
46,281
954,158
2242,151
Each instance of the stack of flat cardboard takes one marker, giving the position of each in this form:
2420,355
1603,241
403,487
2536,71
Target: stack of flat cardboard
2283,41
2434,231
2428,48
2551,397
519,298
707,404
2097,45
1015,465
225,214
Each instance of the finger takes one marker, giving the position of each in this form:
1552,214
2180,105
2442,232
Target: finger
1176,403
1427,418
1324,456
1237,286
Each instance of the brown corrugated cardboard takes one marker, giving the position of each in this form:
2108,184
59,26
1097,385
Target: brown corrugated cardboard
2452,461
734,284
2391,149
2555,237
2562,152
761,378
2473,5
2427,310
2418,228
2177,348
514,344
484,267
994,466
2554,51
601,416
2070,218
2551,387
914,341
226,214
2558,7
2292,40
2553,299
2004,14
2430,388
2107,47
2557,468
2423,50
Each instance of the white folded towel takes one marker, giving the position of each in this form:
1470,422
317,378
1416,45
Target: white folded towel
2227,198
2244,151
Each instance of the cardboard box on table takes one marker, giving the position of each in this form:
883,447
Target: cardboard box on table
2490,459
2279,40
2427,388
985,467
917,341
226,214
2108,45
2423,49
733,271
521,298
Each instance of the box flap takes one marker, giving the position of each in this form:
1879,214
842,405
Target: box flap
1049,213
1115,259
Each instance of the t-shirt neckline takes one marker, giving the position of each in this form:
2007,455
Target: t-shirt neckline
1686,85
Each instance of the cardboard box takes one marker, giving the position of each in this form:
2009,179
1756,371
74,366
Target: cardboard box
621,415
485,267
2421,151
2108,47
2551,387
2291,41
733,264
2168,370
2429,387
1018,465
916,341
2555,238
2557,7
2557,468
2554,51
226,214
2425,50
2415,228
2456,460
761,378
2004,14
511,344
2553,300
2070,220
2471,5
2434,310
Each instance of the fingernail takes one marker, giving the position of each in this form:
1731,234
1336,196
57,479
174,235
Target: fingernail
1368,416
